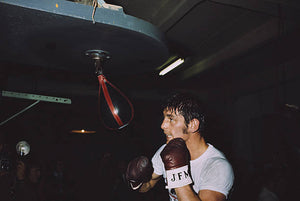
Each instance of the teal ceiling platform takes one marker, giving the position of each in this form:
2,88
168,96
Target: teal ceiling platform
56,35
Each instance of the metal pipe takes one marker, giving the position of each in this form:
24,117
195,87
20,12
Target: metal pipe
28,107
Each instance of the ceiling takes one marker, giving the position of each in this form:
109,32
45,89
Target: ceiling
43,43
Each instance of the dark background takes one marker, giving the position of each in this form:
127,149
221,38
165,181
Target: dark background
242,60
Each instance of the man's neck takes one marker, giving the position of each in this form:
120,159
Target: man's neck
196,146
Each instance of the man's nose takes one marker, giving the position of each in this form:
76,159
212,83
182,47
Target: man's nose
163,124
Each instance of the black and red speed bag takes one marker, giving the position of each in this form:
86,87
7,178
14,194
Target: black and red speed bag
116,110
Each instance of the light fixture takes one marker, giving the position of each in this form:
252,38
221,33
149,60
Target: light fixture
83,131
23,148
171,66
82,126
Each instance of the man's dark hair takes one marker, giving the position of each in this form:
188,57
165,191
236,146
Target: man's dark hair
188,105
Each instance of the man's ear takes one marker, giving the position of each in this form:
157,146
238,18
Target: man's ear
194,125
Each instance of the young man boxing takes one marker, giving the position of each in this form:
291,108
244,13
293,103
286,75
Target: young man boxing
193,169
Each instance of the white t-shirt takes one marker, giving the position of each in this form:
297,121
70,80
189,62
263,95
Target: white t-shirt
210,171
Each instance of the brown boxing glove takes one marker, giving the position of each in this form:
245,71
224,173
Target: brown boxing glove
176,158
139,171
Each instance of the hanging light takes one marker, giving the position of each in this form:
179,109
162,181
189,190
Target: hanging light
22,148
83,131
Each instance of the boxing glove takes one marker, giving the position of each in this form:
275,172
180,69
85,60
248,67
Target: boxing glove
176,158
139,171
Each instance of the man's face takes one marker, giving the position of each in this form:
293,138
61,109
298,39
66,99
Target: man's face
174,125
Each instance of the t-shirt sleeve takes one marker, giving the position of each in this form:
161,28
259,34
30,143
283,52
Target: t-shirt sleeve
217,176
157,163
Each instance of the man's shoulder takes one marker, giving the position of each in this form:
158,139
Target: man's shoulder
159,150
213,152
217,163
156,156
157,161
212,158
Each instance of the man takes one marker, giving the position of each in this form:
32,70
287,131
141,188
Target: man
6,176
192,168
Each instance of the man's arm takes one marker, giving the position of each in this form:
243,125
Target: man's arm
175,157
209,195
150,184
186,193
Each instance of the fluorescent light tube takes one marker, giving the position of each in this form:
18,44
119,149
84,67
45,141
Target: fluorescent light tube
171,66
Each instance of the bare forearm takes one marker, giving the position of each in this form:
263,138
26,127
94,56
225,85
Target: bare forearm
145,187
186,193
